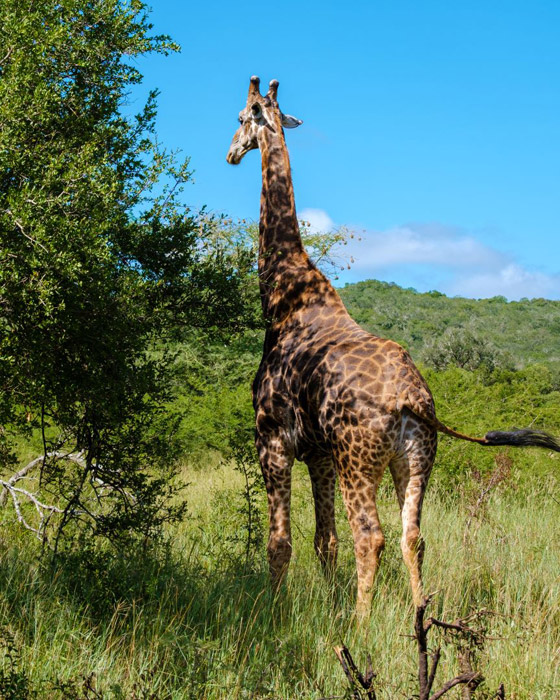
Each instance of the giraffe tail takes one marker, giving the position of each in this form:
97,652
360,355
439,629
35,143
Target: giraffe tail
525,437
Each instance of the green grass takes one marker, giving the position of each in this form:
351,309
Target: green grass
193,622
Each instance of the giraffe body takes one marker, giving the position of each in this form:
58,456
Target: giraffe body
347,403
343,401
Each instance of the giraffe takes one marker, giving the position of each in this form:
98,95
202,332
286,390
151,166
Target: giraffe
347,403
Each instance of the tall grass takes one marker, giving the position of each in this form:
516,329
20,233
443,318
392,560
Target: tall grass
191,620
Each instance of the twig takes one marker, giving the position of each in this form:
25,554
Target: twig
22,230
469,678
72,456
40,507
467,640
426,676
355,677
44,510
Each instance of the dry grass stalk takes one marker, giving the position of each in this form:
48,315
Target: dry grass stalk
499,474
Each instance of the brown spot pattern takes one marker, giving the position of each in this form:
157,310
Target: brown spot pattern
347,403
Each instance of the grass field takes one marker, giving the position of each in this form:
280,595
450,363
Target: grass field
197,622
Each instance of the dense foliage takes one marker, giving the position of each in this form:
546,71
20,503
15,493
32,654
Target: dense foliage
99,262
130,333
526,331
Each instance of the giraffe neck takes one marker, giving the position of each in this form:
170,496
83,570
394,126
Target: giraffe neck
289,281
281,250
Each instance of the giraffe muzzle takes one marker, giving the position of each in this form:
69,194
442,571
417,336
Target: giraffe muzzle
236,153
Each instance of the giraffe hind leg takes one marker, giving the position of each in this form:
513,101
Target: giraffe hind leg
410,473
359,480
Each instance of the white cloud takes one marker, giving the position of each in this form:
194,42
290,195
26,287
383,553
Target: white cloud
511,281
318,219
435,256
427,244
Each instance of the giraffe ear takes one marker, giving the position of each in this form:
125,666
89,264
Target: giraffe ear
289,122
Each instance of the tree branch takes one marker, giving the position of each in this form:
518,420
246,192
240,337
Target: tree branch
426,677
72,456
43,509
463,678
355,677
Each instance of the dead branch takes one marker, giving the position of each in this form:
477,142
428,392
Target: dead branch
100,488
469,678
358,683
72,456
460,626
467,640
357,680
44,511
16,477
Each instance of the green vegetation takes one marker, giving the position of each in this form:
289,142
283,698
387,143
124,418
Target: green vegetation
191,615
528,331
485,393
195,621
130,333
100,264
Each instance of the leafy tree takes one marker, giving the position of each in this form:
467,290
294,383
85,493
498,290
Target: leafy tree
461,348
99,263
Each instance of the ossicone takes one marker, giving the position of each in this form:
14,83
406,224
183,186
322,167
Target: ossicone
273,90
254,85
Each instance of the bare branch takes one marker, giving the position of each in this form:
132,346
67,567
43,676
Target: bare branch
44,510
72,456
357,681
469,678
426,677
467,641
432,675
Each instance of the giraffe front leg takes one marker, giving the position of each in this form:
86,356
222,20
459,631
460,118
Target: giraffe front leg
323,482
276,463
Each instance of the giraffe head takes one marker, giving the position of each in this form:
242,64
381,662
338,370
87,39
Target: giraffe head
260,112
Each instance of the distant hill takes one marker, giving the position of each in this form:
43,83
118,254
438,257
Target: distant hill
528,330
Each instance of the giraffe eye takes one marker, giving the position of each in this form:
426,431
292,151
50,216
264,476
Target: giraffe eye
241,120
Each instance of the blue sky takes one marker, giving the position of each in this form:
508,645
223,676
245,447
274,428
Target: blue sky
431,128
